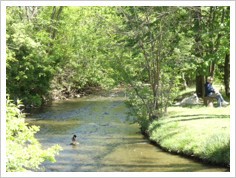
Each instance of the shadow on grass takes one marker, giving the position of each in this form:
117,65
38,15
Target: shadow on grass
202,116
196,117
191,115
171,131
199,105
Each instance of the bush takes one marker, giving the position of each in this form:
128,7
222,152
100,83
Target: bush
23,151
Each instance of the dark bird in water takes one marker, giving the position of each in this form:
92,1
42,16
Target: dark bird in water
74,140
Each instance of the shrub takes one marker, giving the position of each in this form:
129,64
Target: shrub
23,151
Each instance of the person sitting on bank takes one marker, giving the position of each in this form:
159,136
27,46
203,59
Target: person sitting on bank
211,92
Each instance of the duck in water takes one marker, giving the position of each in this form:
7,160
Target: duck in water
74,142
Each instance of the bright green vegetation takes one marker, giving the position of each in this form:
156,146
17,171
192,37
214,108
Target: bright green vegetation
23,151
198,131
59,52
154,52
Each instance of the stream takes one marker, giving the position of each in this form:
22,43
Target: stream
108,141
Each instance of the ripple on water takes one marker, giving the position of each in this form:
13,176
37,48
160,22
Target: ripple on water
108,141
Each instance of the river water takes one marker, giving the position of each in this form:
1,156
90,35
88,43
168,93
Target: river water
108,141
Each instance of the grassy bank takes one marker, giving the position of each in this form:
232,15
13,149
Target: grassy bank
198,131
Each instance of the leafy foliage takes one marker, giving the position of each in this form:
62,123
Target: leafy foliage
57,52
82,46
155,53
29,69
62,51
24,152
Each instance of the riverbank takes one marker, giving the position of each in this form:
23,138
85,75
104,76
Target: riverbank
199,132
108,140
196,131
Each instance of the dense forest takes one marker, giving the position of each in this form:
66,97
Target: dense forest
58,52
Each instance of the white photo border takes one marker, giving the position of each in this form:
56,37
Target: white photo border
4,4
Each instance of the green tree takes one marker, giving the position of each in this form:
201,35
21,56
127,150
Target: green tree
29,68
156,50
211,32
154,45
83,45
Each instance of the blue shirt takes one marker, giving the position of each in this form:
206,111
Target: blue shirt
209,88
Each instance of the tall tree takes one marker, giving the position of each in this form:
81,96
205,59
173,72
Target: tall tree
153,42
28,70
197,14
211,34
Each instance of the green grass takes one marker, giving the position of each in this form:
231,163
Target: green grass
198,131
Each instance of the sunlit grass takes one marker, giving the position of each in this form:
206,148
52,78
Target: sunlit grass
199,131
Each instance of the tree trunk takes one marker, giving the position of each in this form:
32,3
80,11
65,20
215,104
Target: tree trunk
198,51
184,81
227,74
200,85
52,27
215,41
212,69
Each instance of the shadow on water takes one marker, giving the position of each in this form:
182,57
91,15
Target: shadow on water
107,141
